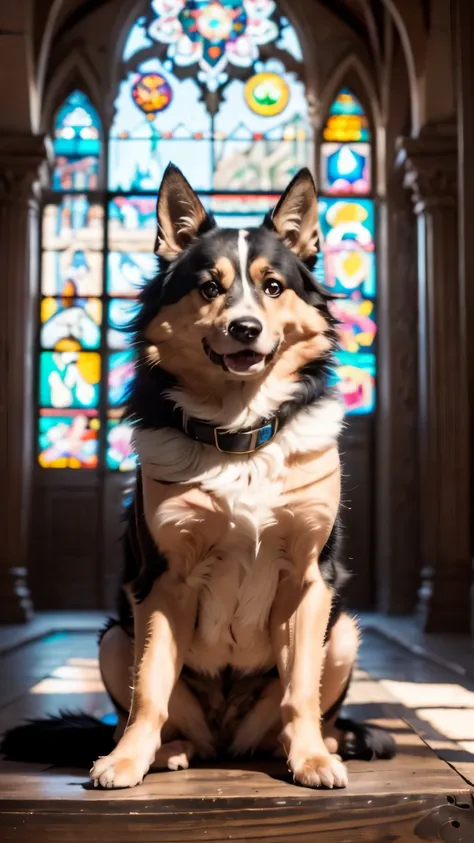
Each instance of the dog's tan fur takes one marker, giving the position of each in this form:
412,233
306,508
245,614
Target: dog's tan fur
203,612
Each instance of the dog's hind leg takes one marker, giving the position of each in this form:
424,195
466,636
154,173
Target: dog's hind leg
116,669
341,653
341,735
175,755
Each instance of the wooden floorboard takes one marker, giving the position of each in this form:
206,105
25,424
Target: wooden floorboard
423,794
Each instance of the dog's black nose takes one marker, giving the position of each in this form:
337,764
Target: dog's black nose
246,329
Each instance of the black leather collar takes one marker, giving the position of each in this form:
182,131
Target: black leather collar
244,441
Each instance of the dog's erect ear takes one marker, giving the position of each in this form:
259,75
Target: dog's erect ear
295,218
180,214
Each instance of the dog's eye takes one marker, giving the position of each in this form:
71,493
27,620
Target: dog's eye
272,288
210,290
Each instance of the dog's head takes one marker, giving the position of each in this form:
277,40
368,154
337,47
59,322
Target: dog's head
234,305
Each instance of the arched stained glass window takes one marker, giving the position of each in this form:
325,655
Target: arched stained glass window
216,87
76,145
71,286
348,228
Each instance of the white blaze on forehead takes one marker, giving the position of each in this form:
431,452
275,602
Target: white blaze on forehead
243,252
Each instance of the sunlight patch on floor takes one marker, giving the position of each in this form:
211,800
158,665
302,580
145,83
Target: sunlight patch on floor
68,686
84,662
424,694
455,724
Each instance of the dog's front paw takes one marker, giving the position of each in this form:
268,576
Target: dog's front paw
320,771
118,771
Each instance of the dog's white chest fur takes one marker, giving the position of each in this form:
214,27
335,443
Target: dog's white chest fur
237,583
237,575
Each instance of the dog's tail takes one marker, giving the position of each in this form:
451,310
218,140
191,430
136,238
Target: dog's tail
363,741
77,740
66,740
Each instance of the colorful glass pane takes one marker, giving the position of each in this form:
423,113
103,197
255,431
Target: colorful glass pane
140,113
132,224
147,134
267,94
137,39
253,148
127,272
120,454
72,173
121,369
68,439
270,164
69,379
356,381
71,272
239,210
74,223
217,38
120,315
357,328
347,227
346,120
251,110
70,324
76,144
345,168
138,165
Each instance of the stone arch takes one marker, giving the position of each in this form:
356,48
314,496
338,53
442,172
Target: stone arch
408,19
74,72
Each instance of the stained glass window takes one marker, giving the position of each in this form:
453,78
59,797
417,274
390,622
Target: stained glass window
76,144
213,87
216,87
77,319
348,233
68,439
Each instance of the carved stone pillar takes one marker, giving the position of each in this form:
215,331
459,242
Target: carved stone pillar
430,172
20,160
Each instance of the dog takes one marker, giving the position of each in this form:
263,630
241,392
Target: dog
231,619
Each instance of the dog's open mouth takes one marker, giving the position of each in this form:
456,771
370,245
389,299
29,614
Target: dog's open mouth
241,362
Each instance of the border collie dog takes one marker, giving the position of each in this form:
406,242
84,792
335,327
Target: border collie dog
231,630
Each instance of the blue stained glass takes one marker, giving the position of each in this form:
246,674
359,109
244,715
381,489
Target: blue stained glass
77,127
121,370
137,39
346,103
120,455
69,379
132,224
76,144
121,312
127,272
345,168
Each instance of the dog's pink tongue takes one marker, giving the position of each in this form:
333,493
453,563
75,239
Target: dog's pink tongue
242,361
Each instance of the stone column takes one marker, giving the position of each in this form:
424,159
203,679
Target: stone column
20,160
430,172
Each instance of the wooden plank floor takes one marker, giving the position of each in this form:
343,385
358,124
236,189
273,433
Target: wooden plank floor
423,794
